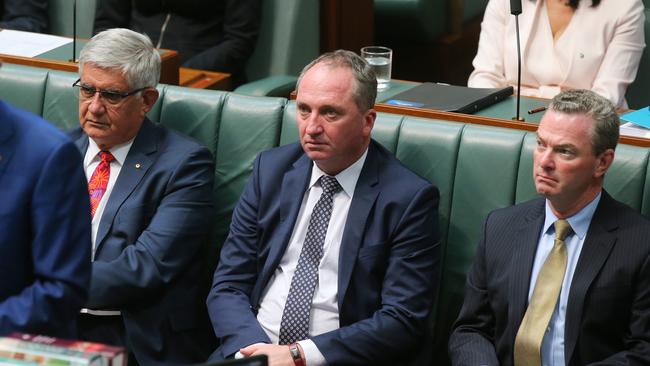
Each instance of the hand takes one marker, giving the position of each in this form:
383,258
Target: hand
278,355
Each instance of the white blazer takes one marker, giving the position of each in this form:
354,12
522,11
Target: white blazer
599,50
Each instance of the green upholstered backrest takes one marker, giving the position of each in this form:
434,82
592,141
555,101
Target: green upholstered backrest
637,93
476,168
289,38
60,16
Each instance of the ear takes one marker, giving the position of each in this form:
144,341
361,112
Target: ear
149,98
603,162
369,121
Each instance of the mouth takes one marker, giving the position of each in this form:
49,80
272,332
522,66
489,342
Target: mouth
545,178
97,124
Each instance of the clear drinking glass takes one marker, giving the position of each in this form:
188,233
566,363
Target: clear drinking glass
380,58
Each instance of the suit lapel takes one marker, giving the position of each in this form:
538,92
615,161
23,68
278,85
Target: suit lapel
598,244
364,198
294,185
136,165
527,237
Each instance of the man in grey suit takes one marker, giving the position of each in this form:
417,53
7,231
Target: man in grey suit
563,279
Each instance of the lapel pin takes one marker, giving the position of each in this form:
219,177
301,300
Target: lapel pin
137,165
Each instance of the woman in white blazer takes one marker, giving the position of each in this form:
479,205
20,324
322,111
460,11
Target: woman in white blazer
599,48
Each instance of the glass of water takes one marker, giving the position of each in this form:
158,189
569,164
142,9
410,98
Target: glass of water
380,58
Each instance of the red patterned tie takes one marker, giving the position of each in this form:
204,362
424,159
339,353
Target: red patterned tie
99,180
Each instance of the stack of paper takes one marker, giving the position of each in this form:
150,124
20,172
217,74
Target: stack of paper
637,123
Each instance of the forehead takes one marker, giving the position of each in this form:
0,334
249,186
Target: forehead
326,84
103,78
562,128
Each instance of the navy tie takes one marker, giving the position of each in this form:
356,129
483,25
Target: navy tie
295,318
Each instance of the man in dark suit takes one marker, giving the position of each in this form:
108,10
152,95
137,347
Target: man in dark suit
216,35
563,279
44,227
150,192
24,15
332,256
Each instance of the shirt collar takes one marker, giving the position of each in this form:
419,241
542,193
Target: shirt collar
579,222
347,178
119,152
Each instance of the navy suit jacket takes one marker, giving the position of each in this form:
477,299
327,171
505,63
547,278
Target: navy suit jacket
44,227
608,311
388,264
148,259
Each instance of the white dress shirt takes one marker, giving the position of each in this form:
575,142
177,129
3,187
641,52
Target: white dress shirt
553,342
324,315
91,161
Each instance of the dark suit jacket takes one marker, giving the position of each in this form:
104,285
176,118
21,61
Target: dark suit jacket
24,15
608,312
214,35
44,227
148,258
388,264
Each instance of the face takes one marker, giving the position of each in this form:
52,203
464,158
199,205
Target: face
333,131
112,124
566,170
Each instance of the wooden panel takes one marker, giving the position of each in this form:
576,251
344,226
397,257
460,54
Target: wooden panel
346,24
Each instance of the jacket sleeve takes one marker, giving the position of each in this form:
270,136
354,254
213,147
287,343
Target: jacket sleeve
60,250
229,301
489,60
621,62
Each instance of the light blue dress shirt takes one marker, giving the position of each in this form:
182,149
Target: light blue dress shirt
552,351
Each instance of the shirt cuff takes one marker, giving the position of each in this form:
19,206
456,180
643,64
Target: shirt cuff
238,355
313,357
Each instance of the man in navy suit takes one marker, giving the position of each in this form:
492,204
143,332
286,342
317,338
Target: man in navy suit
44,227
376,270
151,206
597,310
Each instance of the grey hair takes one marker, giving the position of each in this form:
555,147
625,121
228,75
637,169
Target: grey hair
122,49
365,89
605,131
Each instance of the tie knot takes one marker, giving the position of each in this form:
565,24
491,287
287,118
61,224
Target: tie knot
562,229
329,184
106,156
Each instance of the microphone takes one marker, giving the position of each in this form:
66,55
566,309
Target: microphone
74,31
515,9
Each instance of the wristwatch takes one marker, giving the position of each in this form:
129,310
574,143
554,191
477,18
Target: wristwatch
296,354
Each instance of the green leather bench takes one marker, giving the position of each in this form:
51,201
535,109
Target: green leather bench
476,168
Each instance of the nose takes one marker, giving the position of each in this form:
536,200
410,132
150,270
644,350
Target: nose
545,159
96,105
314,125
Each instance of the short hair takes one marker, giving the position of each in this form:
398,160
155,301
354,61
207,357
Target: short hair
123,49
365,88
605,130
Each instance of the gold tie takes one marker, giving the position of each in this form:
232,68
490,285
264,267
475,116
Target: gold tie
547,290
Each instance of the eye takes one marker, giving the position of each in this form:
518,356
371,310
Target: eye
111,96
87,91
331,113
540,145
303,110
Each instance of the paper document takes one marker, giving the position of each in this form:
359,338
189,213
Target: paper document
632,129
27,44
